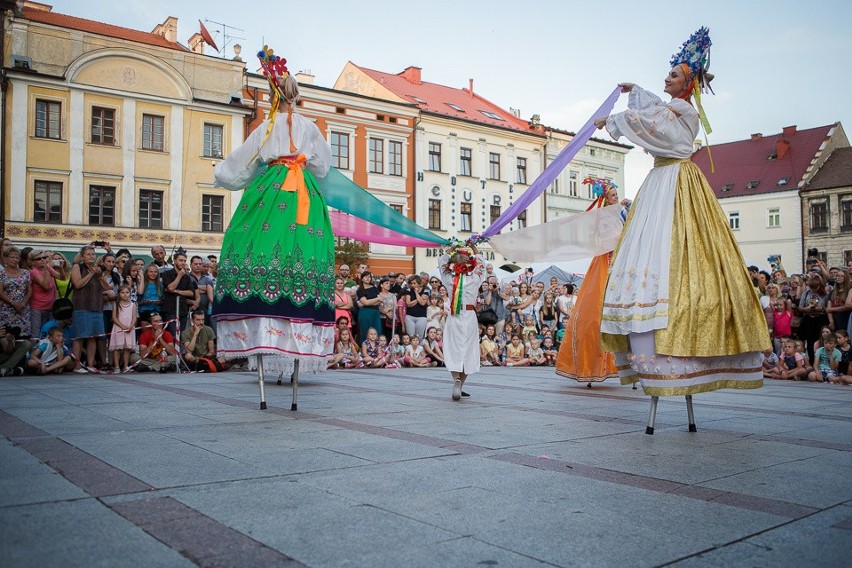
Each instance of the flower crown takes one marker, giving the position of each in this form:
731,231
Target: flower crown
274,67
695,53
599,185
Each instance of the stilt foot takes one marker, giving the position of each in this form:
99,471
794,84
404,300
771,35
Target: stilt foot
263,405
649,430
293,407
692,428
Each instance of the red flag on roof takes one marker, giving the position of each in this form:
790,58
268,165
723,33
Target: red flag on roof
208,39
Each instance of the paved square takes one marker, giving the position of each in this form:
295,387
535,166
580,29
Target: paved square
380,468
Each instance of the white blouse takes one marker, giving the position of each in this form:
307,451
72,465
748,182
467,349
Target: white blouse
664,129
245,162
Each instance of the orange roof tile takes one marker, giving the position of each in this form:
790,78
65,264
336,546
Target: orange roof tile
100,28
446,101
767,160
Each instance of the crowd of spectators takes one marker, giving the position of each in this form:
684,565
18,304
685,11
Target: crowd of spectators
108,311
105,311
808,317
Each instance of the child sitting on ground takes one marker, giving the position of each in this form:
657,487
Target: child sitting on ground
550,351
415,356
536,353
515,353
843,346
370,354
791,366
826,359
51,355
770,362
346,352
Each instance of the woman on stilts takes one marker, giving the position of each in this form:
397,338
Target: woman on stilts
275,289
679,310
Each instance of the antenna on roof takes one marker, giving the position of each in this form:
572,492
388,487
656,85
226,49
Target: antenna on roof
227,38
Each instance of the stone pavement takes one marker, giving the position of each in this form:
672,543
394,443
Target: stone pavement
379,468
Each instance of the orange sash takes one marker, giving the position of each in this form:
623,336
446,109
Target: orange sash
295,181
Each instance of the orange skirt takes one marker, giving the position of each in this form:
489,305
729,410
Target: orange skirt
580,357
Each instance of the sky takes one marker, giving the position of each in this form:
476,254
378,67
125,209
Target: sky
777,63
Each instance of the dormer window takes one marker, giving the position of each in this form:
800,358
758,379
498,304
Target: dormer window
491,115
753,184
455,107
728,187
784,180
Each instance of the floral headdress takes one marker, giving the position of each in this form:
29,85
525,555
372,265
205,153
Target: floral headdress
459,270
275,70
694,58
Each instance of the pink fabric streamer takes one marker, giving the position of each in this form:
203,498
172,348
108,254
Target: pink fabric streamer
352,227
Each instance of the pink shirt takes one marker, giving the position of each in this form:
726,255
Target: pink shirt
42,299
781,327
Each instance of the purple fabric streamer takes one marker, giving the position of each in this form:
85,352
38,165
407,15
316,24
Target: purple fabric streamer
552,170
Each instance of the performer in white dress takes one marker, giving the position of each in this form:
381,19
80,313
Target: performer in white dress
679,309
462,272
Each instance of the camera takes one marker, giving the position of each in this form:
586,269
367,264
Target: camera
813,253
57,263
98,243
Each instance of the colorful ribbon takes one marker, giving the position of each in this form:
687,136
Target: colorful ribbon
456,303
551,171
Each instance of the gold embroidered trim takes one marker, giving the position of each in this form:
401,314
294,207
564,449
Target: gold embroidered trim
699,374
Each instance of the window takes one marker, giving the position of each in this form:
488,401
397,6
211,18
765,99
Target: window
522,219
492,116
466,217
150,209
340,150
846,214
377,156
753,184
48,201
434,157
819,215
727,187
395,158
211,213
734,220
103,126
493,165
435,214
773,217
784,180
455,107
213,141
573,184
48,119
397,207
522,170
554,187
592,151
153,132
495,213
101,205
465,162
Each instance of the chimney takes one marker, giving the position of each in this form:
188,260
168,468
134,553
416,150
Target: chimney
305,77
788,131
196,43
412,75
167,29
781,148
756,136
471,87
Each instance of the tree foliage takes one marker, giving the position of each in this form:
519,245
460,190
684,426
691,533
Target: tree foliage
352,253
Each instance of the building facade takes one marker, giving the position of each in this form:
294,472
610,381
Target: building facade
471,157
758,181
567,195
372,143
826,201
111,134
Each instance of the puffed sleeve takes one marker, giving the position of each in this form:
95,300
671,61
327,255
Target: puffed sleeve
320,161
242,165
664,129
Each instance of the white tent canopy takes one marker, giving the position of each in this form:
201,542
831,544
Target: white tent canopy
571,271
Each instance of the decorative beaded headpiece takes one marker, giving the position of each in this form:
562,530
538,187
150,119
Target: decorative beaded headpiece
599,185
695,54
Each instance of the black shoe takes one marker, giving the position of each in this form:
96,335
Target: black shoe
464,394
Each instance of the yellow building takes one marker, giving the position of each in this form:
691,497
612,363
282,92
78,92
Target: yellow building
110,134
